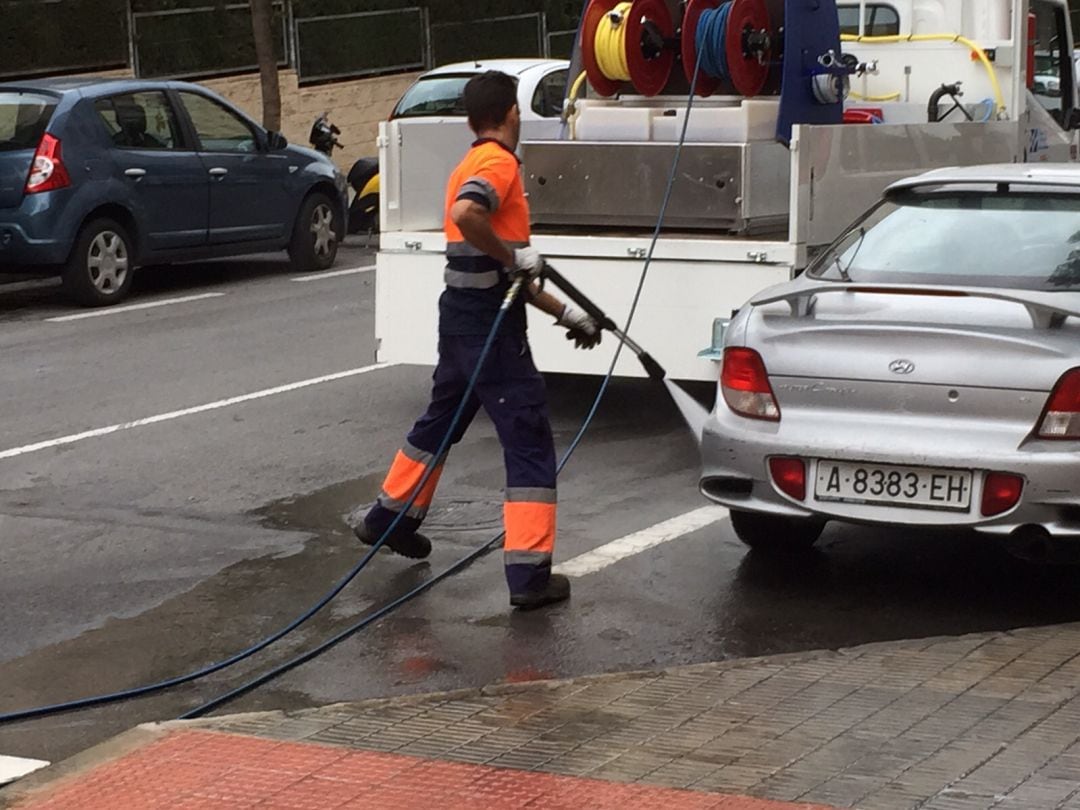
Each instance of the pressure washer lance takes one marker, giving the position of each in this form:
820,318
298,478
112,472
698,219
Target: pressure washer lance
652,368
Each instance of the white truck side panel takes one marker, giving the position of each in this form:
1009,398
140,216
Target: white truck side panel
673,322
841,170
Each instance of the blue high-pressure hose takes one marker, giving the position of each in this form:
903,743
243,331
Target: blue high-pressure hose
464,562
710,40
142,691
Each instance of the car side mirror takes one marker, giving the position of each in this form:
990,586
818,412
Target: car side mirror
275,141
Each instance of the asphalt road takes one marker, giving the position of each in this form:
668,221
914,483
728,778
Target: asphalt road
130,555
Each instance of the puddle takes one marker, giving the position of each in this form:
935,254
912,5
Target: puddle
225,613
334,509
325,510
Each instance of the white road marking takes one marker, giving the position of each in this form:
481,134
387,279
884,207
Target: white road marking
600,558
12,768
349,271
164,302
166,417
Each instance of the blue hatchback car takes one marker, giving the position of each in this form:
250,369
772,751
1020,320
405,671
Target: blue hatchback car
100,177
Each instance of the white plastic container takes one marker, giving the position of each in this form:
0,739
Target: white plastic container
752,120
615,124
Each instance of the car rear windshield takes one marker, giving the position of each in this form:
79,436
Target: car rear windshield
1027,241
437,95
23,119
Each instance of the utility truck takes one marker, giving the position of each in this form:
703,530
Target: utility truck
803,112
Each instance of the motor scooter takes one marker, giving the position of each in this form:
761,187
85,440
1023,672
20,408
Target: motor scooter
363,177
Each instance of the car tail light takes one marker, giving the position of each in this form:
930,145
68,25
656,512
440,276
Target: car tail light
47,172
789,474
745,384
1061,420
1001,492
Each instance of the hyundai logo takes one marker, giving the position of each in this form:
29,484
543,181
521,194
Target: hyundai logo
901,367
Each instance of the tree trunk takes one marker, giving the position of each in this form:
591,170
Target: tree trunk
262,27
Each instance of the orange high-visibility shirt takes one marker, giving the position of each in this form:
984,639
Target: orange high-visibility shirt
490,174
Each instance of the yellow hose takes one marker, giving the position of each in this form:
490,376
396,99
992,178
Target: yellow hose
579,82
977,49
889,97
611,44
570,110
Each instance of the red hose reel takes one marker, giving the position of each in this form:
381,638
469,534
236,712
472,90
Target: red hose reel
650,32
747,44
649,27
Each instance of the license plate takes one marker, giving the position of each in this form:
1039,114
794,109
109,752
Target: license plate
915,487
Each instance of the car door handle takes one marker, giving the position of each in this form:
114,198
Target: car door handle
136,173
218,171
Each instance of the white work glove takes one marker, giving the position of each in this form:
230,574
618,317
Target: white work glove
581,328
528,262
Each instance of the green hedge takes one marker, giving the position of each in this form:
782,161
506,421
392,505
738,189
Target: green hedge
40,37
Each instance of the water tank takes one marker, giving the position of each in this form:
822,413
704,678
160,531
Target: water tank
988,20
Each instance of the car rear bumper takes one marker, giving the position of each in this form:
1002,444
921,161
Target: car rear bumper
18,250
735,453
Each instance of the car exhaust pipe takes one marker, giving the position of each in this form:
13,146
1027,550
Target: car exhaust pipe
1032,543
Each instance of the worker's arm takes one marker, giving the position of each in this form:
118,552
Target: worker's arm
474,222
546,302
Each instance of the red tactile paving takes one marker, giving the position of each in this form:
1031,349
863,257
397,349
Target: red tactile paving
196,770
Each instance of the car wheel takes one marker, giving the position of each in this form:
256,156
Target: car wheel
776,535
102,264
314,242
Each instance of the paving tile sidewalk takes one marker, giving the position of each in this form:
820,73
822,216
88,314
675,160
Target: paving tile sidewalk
981,721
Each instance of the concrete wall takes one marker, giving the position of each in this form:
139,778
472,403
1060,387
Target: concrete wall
356,107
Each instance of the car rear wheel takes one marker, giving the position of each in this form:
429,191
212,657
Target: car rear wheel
776,535
102,264
314,242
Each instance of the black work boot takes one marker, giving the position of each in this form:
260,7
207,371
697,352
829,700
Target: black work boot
408,544
557,590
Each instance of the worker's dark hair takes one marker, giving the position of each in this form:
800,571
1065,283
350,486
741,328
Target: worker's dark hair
489,97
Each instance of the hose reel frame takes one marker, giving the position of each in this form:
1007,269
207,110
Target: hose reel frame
748,45
646,20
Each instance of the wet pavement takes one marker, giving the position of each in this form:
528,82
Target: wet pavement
141,554
960,723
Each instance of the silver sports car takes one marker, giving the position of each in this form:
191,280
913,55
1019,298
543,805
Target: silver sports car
924,371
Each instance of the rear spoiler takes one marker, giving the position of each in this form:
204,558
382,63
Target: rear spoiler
1046,309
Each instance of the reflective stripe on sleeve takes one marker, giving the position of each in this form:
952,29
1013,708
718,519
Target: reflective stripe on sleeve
478,185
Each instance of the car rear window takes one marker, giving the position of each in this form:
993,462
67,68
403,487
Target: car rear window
1011,240
437,95
23,119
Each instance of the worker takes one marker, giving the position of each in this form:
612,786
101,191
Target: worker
487,246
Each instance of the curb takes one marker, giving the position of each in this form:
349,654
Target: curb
113,748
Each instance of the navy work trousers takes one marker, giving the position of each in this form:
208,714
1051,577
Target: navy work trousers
512,392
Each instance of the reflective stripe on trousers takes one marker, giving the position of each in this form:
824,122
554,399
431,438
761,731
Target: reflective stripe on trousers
410,465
